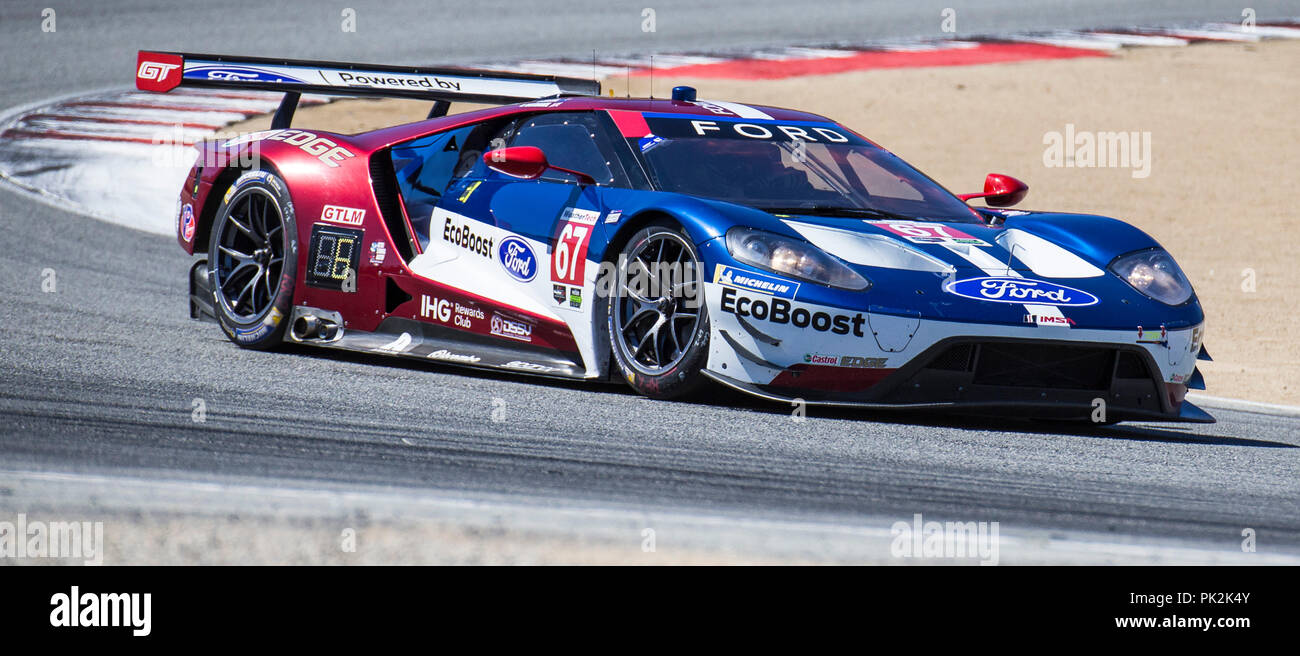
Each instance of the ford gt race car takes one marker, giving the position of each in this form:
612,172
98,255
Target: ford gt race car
673,244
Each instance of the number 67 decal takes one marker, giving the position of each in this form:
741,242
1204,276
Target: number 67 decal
929,233
569,257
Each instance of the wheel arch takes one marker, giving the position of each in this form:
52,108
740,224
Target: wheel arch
613,246
212,202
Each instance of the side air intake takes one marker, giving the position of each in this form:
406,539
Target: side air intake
384,182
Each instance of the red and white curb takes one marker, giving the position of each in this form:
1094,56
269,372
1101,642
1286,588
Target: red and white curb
795,61
119,156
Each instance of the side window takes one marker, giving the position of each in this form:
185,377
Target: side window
573,140
425,168
487,136
428,164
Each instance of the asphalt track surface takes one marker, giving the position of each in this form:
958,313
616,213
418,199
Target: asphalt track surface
101,375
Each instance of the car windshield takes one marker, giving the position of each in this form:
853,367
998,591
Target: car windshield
810,168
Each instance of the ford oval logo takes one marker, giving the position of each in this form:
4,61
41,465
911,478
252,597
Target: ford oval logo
518,259
230,73
1020,290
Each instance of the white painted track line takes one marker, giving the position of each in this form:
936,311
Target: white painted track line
1256,407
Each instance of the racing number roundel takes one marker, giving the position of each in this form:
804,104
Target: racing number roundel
569,258
919,232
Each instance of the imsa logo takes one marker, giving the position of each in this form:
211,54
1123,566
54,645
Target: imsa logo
1040,320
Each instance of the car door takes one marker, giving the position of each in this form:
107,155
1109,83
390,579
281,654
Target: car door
553,215
521,243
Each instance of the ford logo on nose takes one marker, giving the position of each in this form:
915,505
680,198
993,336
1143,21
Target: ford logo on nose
1020,291
518,259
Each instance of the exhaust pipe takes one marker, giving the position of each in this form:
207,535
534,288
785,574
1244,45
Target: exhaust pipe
306,327
309,325
328,330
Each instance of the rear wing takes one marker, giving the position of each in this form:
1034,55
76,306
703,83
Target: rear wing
163,71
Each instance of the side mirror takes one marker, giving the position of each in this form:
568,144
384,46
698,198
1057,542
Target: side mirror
1000,191
527,162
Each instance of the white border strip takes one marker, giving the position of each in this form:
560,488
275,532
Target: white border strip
724,535
1256,407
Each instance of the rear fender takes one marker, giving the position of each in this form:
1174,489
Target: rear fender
329,186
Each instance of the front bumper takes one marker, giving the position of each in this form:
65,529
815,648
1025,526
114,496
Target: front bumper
1004,377
869,359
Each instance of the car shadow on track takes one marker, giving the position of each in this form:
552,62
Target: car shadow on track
1139,431
722,397
439,367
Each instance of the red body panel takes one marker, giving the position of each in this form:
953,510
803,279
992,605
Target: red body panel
315,185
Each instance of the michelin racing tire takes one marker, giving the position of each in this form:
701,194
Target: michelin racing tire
658,324
253,260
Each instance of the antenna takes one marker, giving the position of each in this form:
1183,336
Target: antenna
629,80
652,77
593,63
1011,252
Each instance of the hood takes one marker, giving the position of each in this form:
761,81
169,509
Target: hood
1045,266
944,247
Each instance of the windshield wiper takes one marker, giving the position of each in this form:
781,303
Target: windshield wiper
836,210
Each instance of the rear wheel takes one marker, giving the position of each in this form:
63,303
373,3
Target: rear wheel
253,260
658,324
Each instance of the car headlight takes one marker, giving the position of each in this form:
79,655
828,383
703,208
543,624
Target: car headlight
1154,273
792,257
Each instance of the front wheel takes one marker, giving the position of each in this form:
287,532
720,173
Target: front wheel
253,260
658,324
